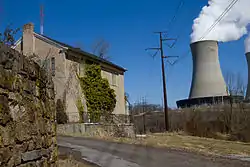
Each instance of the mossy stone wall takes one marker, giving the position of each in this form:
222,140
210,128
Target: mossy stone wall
27,112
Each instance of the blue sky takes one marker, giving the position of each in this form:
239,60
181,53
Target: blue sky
128,26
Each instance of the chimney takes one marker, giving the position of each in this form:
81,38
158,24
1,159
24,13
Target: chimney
207,78
28,39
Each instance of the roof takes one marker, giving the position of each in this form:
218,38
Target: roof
89,55
76,50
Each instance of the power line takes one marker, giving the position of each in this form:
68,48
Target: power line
171,22
229,7
181,3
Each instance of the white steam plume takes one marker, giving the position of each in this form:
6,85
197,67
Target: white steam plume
247,44
232,27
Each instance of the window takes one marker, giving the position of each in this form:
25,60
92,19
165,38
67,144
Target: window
114,79
53,67
45,64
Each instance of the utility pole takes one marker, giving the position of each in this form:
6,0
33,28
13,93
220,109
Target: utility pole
163,74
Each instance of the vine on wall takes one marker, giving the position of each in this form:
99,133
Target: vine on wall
80,108
100,98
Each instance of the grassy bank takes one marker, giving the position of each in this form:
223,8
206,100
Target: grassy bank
185,142
191,143
70,162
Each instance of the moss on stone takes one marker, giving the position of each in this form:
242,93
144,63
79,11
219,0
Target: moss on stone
1,108
27,115
1,141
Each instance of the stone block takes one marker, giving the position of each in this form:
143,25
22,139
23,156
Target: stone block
18,83
46,141
5,116
42,163
22,147
4,92
16,158
14,161
5,154
30,68
30,115
37,141
31,145
29,86
31,155
22,131
16,111
7,134
7,78
41,125
49,127
9,58
28,164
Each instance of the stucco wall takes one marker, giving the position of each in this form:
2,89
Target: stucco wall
47,51
119,90
27,112
73,90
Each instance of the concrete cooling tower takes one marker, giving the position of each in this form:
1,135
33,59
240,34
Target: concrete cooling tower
207,79
208,85
248,83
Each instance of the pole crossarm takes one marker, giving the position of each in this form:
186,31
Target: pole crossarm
170,56
153,49
169,39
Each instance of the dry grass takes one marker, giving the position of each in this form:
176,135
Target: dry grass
190,143
182,141
70,162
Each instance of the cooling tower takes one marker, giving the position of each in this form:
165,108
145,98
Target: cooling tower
207,78
248,83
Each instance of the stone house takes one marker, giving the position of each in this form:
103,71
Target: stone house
62,61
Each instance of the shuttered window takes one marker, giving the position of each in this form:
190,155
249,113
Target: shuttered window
53,67
47,65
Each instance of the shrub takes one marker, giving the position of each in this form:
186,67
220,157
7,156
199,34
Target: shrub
100,98
219,121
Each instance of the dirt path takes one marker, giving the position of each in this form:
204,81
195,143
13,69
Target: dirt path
109,154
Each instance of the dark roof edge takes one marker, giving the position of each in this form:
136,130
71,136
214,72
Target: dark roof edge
92,56
77,50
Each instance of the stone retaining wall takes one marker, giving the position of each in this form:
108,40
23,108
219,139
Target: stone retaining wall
88,129
27,112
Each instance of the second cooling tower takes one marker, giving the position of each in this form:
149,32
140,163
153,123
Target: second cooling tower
248,85
207,79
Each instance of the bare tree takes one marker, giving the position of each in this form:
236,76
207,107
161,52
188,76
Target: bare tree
8,36
101,48
235,84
